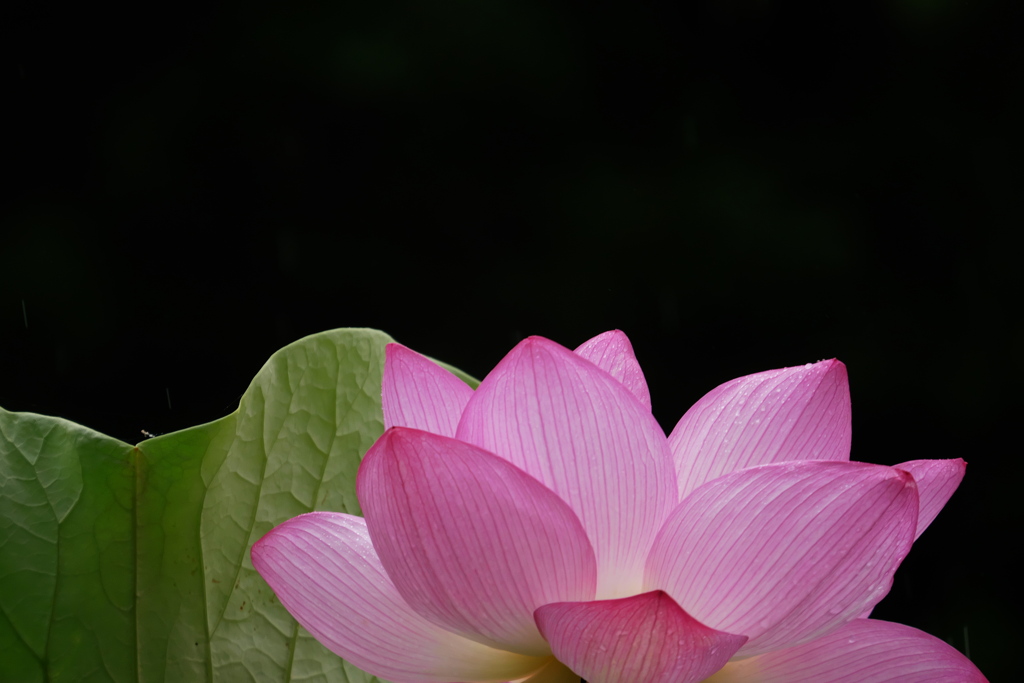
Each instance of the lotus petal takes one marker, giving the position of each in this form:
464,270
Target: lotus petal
799,413
417,392
936,482
580,432
324,570
784,553
645,637
472,543
612,352
862,651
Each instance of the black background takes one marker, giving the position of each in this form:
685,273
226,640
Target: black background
739,185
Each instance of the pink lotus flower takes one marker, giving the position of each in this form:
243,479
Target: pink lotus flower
543,529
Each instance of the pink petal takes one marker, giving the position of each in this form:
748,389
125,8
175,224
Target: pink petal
472,543
584,435
936,482
417,392
612,352
784,553
323,569
863,651
645,638
800,413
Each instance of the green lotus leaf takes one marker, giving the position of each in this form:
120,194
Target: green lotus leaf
131,563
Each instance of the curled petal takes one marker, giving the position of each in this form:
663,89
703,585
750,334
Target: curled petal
472,543
580,432
784,553
800,413
936,482
645,637
324,570
612,352
863,651
417,392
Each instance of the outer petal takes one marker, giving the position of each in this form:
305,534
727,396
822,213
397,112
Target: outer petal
800,413
784,553
472,543
584,435
417,392
863,651
612,352
936,482
323,569
645,638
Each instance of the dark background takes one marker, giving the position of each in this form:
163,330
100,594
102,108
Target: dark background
739,185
